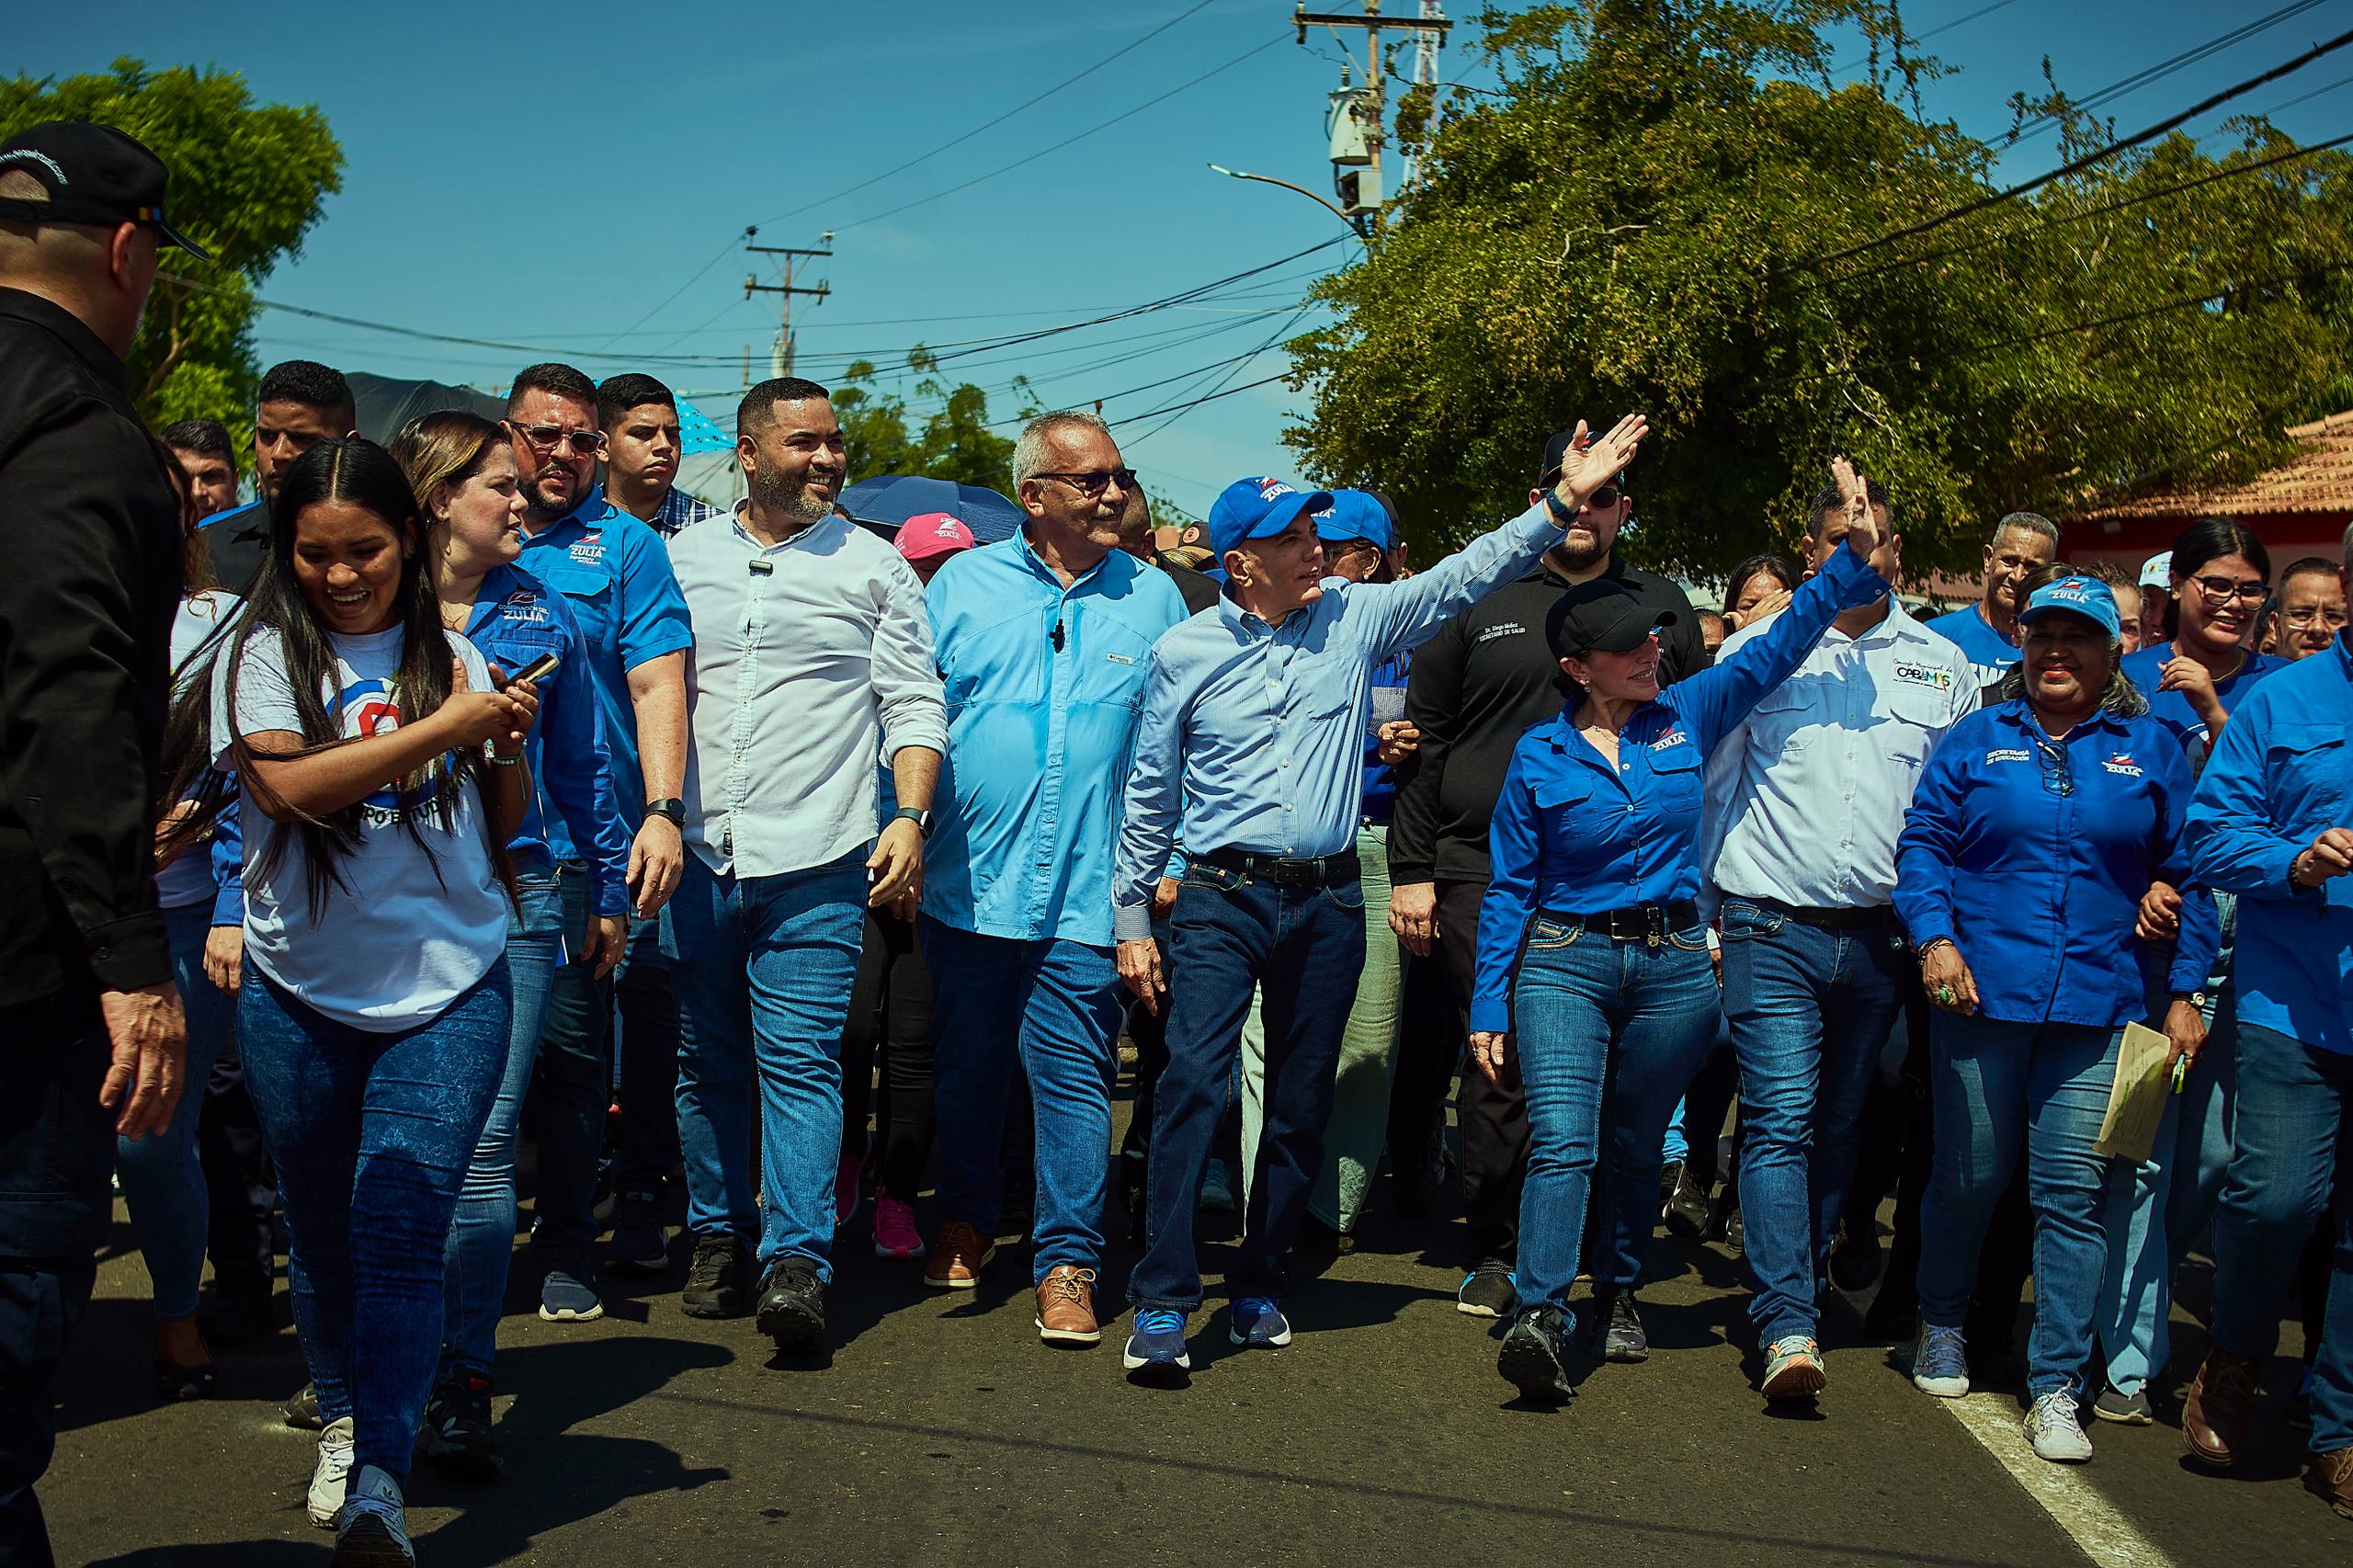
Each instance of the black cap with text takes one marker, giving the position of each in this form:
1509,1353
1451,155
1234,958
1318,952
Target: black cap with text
94,174
1602,616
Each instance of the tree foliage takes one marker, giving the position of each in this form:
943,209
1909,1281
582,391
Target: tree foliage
247,182
956,440
1639,218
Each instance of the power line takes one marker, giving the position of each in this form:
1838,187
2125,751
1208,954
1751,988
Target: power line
1000,119
681,289
2162,69
1179,412
1196,402
1922,38
1105,125
2077,166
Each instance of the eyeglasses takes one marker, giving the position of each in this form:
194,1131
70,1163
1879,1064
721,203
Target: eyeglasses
548,438
2318,615
2056,778
1347,548
1094,484
2221,590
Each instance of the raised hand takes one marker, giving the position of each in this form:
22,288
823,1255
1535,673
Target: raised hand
1592,461
1855,493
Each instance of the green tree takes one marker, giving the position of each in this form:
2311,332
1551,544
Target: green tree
955,440
247,182
1640,219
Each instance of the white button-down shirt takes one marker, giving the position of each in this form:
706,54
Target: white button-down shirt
812,662
1805,801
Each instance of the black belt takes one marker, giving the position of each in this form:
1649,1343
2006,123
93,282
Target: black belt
1640,921
1878,917
1331,871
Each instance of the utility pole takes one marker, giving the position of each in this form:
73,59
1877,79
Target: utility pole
1360,188
780,357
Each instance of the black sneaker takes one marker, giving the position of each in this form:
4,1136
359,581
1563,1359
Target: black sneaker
1534,1354
1618,1328
715,1279
1855,1257
640,1242
1683,1201
1317,1239
302,1410
237,1313
1417,1176
457,1435
1486,1291
792,1305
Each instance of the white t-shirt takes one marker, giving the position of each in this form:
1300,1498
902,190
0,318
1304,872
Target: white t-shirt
203,617
401,936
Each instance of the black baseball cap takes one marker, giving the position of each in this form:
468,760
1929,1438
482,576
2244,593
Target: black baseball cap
1556,449
1603,615
95,173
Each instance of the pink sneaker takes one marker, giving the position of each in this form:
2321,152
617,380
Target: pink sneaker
894,1227
845,1177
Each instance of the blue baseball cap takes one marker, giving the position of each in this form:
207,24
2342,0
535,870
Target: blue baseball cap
1257,508
2079,594
1357,514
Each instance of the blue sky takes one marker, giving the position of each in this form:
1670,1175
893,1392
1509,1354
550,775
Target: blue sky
577,177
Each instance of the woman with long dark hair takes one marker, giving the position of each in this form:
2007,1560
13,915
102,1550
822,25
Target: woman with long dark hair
382,773
461,467
1758,587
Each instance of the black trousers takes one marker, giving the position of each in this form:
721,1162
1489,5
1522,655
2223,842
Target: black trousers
57,1149
1493,1117
889,1018
240,1185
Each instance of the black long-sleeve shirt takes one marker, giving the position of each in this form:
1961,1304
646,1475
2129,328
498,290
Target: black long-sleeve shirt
1477,687
90,552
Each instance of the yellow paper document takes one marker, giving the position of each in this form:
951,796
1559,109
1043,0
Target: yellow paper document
2136,1102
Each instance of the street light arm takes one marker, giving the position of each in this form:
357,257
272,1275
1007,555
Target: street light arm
1328,207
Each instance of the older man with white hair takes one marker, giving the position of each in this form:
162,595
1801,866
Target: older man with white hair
1043,642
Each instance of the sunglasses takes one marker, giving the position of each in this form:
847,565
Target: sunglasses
2056,776
1605,499
1093,484
548,438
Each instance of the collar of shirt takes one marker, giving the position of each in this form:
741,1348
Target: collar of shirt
680,510
70,330
2018,714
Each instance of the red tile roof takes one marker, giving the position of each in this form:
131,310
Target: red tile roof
2318,479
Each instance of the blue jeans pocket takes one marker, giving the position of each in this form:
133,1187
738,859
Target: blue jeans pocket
1546,935
1742,920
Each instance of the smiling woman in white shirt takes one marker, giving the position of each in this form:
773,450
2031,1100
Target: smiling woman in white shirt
382,772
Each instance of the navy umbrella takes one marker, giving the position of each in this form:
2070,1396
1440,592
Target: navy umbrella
894,497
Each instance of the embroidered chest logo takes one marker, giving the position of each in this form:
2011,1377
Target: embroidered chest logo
2121,763
525,607
1931,676
2007,754
1500,629
1670,739
589,547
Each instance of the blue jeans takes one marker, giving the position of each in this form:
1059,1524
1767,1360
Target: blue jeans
1054,1006
163,1182
763,969
574,1087
1606,1033
1989,1080
2152,1220
1229,932
2292,1145
1809,1010
370,1133
482,1239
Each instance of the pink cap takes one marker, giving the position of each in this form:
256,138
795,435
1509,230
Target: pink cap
927,534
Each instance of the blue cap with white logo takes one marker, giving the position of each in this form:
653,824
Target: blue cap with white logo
1257,508
2078,594
1357,514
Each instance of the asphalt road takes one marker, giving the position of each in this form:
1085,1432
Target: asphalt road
939,1431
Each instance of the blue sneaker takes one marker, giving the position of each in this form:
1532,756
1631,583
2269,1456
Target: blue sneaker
566,1296
1258,1323
1158,1342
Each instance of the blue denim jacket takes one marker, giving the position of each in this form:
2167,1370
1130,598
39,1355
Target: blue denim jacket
2281,771
2035,871
1573,833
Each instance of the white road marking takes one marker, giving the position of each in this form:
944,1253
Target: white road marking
2107,1537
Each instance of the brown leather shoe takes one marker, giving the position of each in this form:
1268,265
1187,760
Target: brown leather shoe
2332,1476
2221,1407
959,1253
1066,1306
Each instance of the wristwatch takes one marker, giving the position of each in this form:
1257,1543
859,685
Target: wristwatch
2194,998
673,809
1562,513
922,819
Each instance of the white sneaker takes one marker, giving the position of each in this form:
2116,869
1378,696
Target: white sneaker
2052,1426
372,1530
332,1477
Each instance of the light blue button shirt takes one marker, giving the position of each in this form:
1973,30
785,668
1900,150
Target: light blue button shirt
1255,735
1044,685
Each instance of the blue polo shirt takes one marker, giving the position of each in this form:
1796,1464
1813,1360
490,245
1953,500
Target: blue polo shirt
2281,771
2037,875
516,619
1575,833
615,574
1989,654
1044,685
2172,709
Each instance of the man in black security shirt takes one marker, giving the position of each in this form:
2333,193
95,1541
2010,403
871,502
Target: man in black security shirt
1476,688
90,528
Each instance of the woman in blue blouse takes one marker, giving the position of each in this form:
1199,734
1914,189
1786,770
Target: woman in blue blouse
2044,834
1589,940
